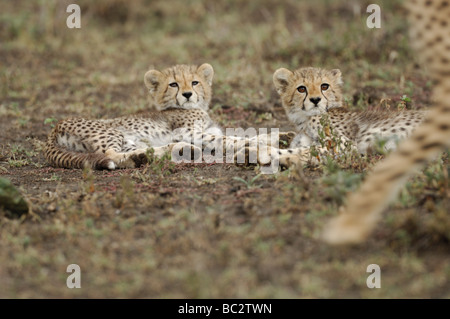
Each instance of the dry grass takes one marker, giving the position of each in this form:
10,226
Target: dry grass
195,230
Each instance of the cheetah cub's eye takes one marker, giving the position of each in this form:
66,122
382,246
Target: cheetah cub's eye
173,84
301,89
194,83
324,86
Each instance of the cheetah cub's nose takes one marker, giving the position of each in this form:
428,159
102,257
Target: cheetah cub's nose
187,95
315,100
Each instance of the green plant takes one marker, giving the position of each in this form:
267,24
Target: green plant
20,156
404,100
250,183
51,121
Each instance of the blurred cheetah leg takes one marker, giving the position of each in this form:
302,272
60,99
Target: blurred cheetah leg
364,207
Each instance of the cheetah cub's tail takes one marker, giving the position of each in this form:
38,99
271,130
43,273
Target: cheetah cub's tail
59,156
364,207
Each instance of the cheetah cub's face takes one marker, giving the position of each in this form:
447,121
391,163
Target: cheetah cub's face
308,91
181,86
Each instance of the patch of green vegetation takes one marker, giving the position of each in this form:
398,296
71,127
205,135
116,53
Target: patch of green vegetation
53,178
249,183
405,102
20,156
50,121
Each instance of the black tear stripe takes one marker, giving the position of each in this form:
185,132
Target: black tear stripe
325,98
195,91
176,100
303,107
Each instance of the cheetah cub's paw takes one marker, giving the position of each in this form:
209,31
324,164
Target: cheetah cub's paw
105,163
139,159
125,160
300,156
293,157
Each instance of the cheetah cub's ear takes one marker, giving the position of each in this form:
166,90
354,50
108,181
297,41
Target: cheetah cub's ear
153,79
207,72
281,79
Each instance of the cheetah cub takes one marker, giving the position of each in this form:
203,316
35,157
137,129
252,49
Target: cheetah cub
312,95
182,93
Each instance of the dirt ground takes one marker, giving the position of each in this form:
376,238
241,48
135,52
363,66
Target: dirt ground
170,230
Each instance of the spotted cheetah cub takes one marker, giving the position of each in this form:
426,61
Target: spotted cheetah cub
312,95
182,93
